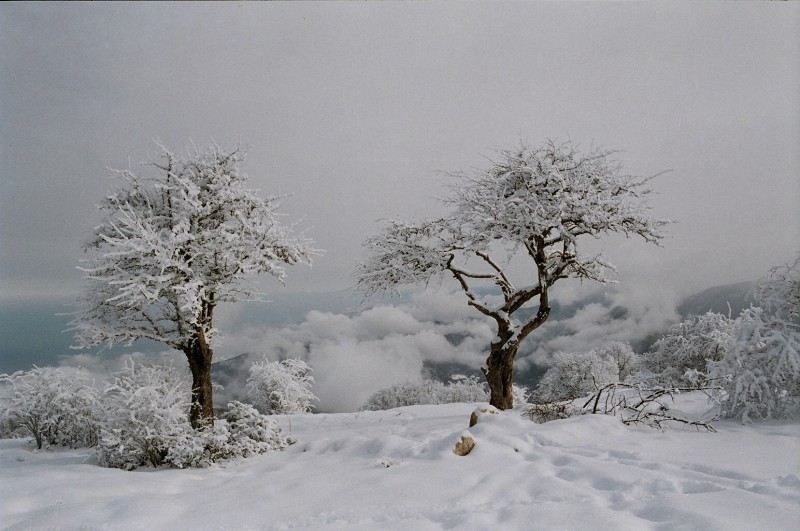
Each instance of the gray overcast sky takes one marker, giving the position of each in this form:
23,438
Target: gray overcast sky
354,107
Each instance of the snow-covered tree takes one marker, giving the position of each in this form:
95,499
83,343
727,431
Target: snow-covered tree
52,404
685,353
538,202
281,387
779,291
628,362
762,369
171,248
576,374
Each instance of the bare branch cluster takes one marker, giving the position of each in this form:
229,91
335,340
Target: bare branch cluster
649,406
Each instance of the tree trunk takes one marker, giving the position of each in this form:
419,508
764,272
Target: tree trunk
498,372
199,355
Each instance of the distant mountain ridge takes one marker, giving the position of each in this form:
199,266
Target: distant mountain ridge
724,299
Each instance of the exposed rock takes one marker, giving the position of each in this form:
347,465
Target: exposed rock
465,445
473,418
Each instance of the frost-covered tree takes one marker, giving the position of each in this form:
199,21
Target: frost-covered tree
281,387
685,353
628,362
171,248
537,202
576,374
778,293
761,369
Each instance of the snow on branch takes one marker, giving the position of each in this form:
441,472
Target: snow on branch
540,200
172,246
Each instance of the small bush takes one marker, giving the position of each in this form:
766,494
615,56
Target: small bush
628,362
576,374
548,411
146,422
460,389
145,413
283,387
405,394
242,432
683,356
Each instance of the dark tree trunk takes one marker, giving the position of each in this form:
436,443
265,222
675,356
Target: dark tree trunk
199,355
499,371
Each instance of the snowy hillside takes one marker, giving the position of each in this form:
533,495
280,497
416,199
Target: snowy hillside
396,469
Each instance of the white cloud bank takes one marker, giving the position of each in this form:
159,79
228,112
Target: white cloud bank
353,356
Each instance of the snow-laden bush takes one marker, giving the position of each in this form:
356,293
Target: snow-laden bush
628,362
241,432
281,387
779,292
405,394
145,413
576,374
146,422
548,411
761,370
54,405
682,357
460,389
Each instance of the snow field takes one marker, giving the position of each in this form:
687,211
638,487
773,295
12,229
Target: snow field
396,469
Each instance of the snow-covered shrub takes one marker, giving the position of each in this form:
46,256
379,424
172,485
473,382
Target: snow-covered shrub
779,292
241,432
548,411
521,394
761,370
54,405
628,362
405,394
281,387
252,432
145,413
146,422
460,389
576,374
683,355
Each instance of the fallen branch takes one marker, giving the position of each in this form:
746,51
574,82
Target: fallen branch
644,405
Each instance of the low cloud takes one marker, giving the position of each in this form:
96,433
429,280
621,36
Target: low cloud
355,355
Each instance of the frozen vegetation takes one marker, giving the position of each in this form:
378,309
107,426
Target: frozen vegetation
699,432
396,469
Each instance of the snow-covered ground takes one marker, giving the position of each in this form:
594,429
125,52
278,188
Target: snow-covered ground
396,469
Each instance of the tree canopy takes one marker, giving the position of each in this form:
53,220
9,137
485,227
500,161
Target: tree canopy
536,201
172,247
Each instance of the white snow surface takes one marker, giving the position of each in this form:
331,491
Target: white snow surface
396,469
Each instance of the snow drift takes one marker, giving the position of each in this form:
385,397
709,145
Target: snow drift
396,469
